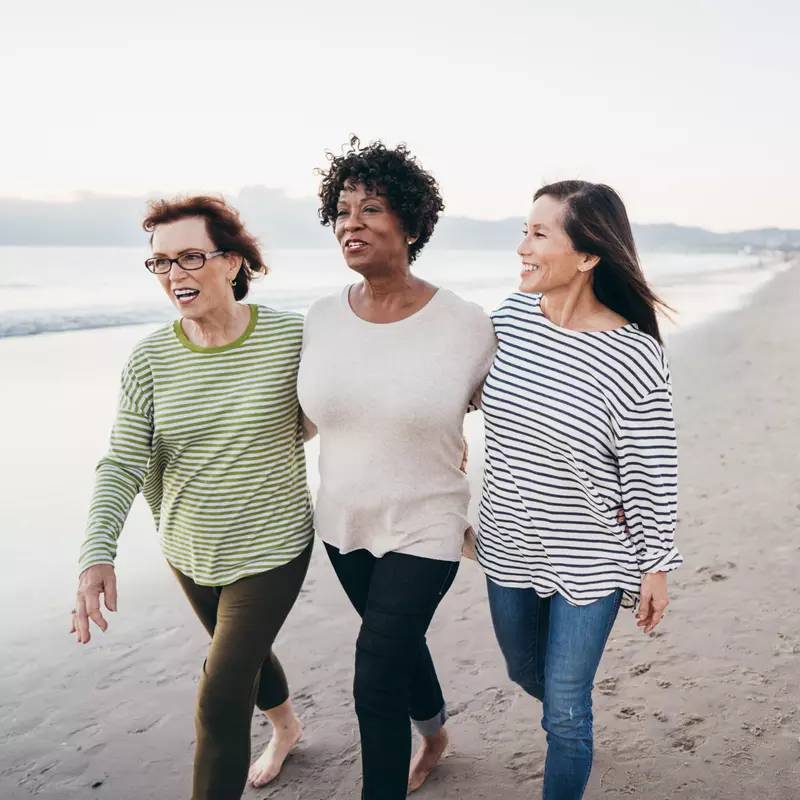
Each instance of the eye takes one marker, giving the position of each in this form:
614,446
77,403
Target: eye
371,208
191,259
340,213
538,235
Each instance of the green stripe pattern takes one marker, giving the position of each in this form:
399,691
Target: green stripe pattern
213,438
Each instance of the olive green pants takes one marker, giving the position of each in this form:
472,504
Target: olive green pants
240,671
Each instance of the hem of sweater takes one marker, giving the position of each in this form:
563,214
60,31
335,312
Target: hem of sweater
265,563
414,549
630,595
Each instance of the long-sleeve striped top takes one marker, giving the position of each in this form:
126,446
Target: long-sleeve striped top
212,436
579,428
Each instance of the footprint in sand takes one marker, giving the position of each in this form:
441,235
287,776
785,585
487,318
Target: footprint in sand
640,669
607,686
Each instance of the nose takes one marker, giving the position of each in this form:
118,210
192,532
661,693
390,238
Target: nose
524,248
176,272
353,222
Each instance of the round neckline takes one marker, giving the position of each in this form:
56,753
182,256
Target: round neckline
630,326
238,342
416,315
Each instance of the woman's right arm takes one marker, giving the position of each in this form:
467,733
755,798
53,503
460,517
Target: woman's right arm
119,478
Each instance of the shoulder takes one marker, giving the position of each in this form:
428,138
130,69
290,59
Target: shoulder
644,349
285,321
517,303
156,343
465,311
327,304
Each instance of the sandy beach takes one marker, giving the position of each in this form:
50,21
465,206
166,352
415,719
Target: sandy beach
707,707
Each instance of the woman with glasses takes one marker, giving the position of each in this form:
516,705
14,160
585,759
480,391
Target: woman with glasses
208,428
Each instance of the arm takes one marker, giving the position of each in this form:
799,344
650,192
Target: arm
119,478
648,468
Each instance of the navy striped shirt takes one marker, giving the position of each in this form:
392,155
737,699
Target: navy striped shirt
579,427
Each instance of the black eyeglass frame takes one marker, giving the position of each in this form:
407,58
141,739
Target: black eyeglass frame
206,257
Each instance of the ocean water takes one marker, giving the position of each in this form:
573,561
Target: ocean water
58,289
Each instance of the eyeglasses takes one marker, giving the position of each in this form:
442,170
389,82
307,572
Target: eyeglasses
189,261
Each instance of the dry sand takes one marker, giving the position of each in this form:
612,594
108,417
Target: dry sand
708,707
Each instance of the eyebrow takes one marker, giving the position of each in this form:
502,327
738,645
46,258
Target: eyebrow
181,253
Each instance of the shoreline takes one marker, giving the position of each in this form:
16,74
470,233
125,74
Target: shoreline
706,708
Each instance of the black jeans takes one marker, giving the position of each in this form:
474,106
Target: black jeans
396,597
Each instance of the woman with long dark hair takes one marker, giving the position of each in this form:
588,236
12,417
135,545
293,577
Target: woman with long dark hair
578,509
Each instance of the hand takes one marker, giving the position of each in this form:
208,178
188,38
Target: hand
464,457
653,600
469,547
94,581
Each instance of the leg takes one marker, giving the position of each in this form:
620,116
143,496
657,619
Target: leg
250,613
426,704
403,596
577,637
520,618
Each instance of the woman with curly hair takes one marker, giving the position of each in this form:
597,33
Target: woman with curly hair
388,369
208,428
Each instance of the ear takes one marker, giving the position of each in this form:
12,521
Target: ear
236,262
588,263
411,240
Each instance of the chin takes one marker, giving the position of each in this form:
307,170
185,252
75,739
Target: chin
528,286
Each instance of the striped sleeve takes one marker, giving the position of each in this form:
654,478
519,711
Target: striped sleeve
648,470
121,472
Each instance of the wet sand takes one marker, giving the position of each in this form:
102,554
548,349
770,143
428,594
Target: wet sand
707,707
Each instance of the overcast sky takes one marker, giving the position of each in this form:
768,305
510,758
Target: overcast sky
688,107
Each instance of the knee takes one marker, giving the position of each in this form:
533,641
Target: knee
221,700
568,716
380,683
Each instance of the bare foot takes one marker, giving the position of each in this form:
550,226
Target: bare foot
428,756
268,767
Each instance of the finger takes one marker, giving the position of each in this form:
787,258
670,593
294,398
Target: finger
82,621
644,604
654,620
110,592
92,597
99,620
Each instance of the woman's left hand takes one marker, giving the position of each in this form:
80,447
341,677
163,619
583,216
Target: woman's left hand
653,600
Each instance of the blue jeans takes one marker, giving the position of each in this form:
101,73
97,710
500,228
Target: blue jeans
552,650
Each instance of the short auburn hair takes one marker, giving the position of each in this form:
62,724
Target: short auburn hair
225,228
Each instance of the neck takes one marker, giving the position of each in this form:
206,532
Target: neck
389,287
572,306
219,327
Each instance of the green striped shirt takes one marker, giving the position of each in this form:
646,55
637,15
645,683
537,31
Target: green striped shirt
213,438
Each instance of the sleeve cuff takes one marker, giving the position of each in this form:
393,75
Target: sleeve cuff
660,560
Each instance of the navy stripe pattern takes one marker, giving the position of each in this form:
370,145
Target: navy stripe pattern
579,428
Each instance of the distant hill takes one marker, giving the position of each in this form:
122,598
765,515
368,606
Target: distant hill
284,222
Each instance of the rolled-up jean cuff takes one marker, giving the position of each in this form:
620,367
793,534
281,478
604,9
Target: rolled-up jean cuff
427,727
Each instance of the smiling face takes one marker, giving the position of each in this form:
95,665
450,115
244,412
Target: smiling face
195,293
549,260
369,232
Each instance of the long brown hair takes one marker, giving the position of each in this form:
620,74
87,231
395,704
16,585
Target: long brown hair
224,227
597,223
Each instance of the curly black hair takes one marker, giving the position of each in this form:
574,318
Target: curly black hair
412,193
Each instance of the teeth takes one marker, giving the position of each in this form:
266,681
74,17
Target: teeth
185,292
529,268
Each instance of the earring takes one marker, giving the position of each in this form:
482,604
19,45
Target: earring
233,281
411,241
